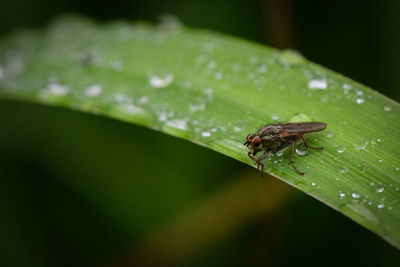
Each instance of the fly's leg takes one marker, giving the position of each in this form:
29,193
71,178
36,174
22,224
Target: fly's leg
263,156
307,145
292,161
260,165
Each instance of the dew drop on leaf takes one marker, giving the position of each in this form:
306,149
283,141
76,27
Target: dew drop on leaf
361,144
301,151
387,108
93,90
318,84
206,134
178,124
360,100
218,75
161,81
143,100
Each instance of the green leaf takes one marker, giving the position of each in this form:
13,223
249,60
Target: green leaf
213,90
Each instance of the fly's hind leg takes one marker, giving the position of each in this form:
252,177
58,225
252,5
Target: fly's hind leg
291,159
307,145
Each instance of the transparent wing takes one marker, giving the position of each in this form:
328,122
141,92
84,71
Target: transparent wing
303,127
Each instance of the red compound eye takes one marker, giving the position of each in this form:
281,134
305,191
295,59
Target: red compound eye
256,141
249,137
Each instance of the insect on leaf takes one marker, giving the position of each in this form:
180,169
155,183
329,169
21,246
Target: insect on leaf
213,90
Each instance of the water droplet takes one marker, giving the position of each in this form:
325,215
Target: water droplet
380,206
161,81
116,65
291,57
380,161
361,144
143,100
208,91
341,149
262,69
380,190
329,133
197,104
218,76
253,60
397,169
355,195
299,117
187,84
208,46
93,90
360,100
343,170
201,59
387,108
346,88
206,134
378,140
212,64
238,126
313,184
122,98
56,89
275,118
178,124
301,152
342,195
319,84
162,116
132,109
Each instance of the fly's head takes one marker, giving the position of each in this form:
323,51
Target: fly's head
254,142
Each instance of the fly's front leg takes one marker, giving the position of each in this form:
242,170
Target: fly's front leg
260,165
291,159
307,145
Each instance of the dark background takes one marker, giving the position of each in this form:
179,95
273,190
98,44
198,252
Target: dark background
79,190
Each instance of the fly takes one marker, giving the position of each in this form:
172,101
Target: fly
272,138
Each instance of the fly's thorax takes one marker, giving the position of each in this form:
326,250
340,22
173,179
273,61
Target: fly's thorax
271,142
270,130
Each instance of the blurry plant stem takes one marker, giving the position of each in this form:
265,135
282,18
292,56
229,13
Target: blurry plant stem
279,26
210,221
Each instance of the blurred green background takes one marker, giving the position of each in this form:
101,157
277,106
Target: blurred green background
81,190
